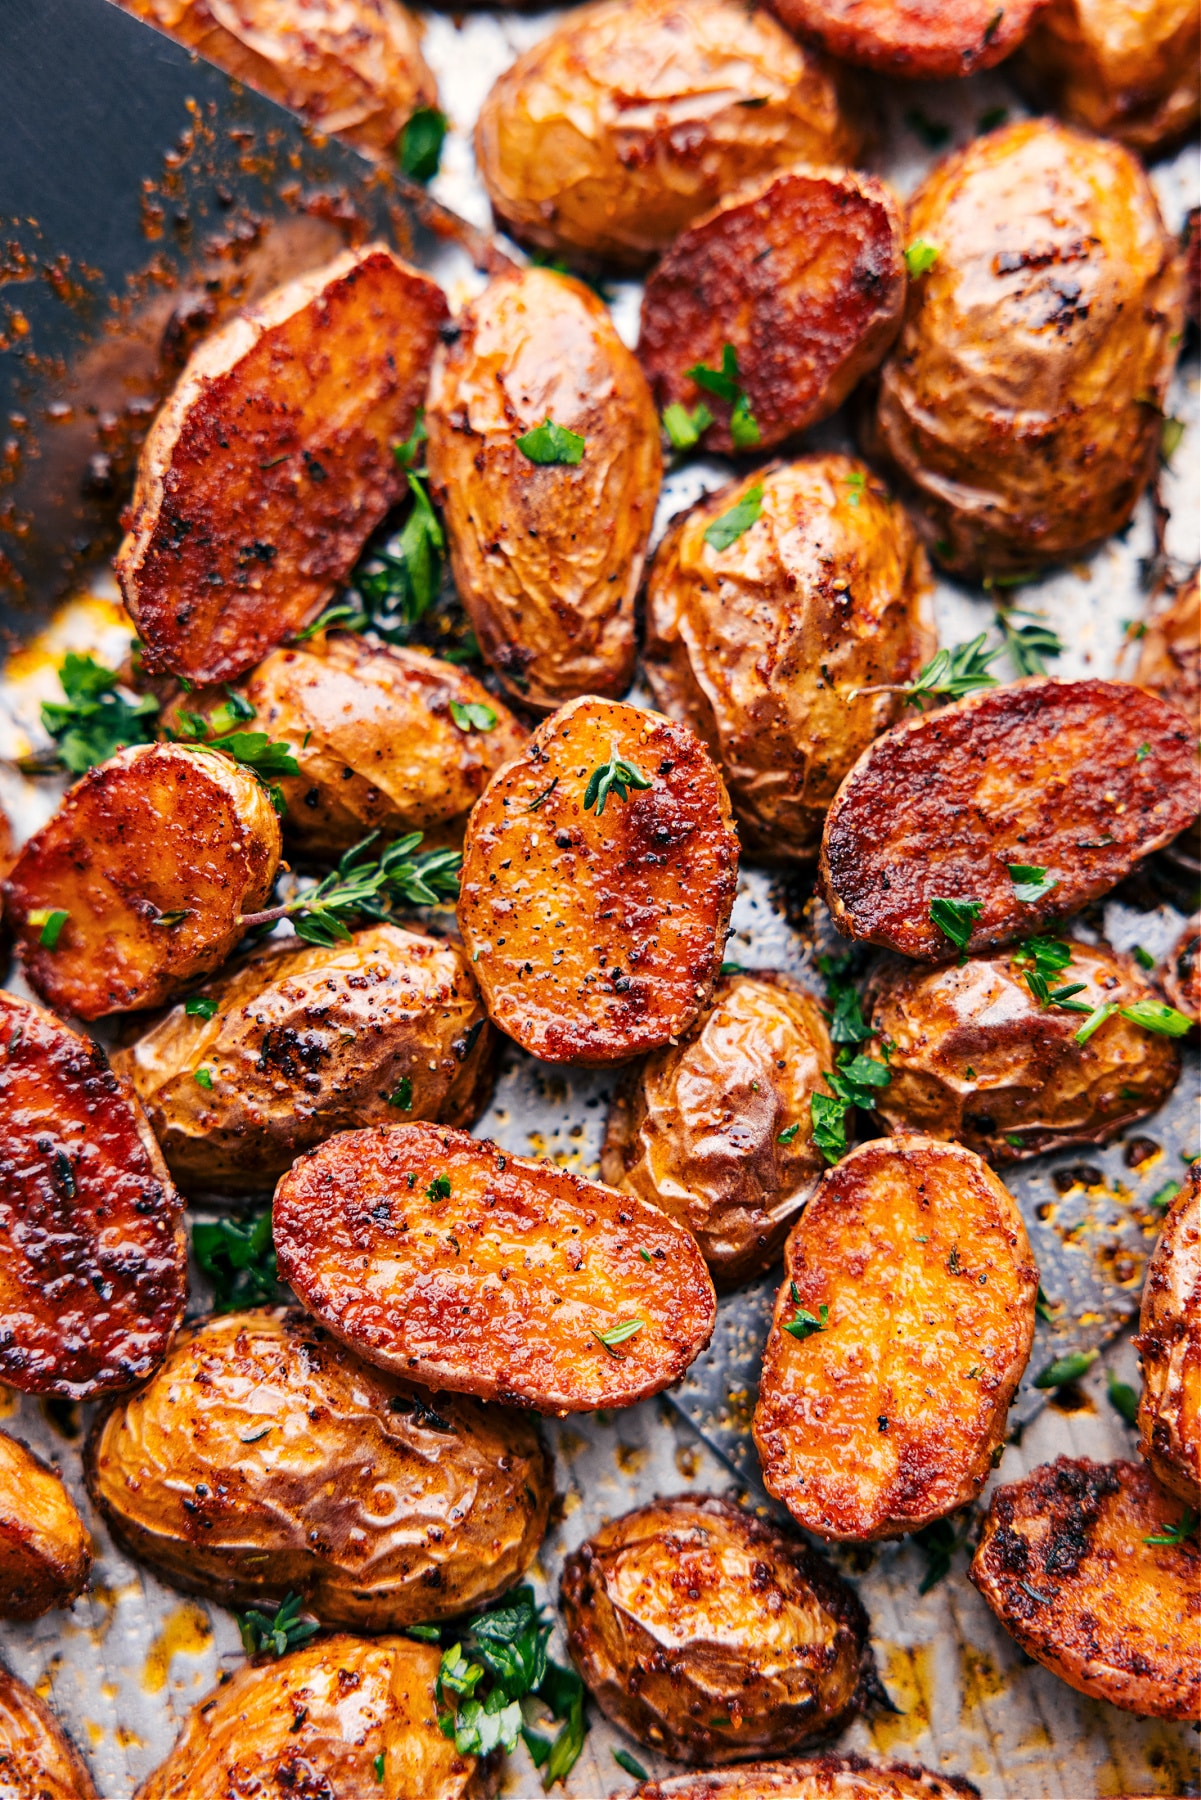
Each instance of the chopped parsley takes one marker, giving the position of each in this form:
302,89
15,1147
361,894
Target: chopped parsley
1122,1397
420,148
956,920
803,1323
920,257
829,1118
786,1136
438,1190
201,1006
729,526
724,384
286,1631
94,720
549,443
203,1078
1030,882
471,715
255,750
402,1095
1066,1368
856,481
1164,1196
1142,957
48,922
615,777
684,428
238,1256
378,1765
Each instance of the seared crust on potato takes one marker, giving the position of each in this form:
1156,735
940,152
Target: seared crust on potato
803,274
596,933
716,1129
1127,72
708,1634
1181,975
930,38
271,463
441,1258
45,1551
915,1261
765,647
93,1264
257,1460
1169,660
1080,778
547,557
1169,1345
307,1040
822,1778
1065,1564
37,1761
154,857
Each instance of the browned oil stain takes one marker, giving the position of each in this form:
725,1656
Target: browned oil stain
629,1458
1070,1398
979,1676
909,1677
569,1443
739,1409
8,1402
128,1740
688,1461
186,1632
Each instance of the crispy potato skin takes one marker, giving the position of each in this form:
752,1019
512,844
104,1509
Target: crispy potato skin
1030,1079
308,1040
94,1265
761,646
877,1424
547,559
1120,1617
45,1551
1127,71
1044,773
318,1475
37,1762
632,118
355,1700
689,1609
1169,1344
1181,977
1169,660
803,274
696,1130
822,1778
271,463
1021,400
912,37
499,1288
596,937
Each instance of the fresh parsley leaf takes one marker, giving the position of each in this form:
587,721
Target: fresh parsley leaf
286,1631
803,1324
201,1006
471,714
1122,1397
94,721
744,427
550,443
399,583
847,1024
1066,1368
402,1095
829,1116
956,920
204,1078
238,1256
856,481
1176,1534
48,922
729,526
1030,882
1048,955
420,149
1029,646
940,1541
684,428
343,612
786,1136
721,382
615,777
378,1765
1154,1015
1164,1196
438,1190
855,1078
920,257
619,1334
255,750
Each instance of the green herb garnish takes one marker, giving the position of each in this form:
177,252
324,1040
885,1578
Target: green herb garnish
724,384
472,715
420,148
366,887
1030,882
940,1542
630,1764
286,1631
1164,1196
201,1006
402,1095
615,777
238,1256
956,920
1122,1397
933,134
203,1078
803,1324
829,1117
729,526
1029,646
549,443
48,922
255,750
1175,1534
619,1334
94,721
1154,1015
684,428
438,1190
1066,1368
950,674
920,257
786,1136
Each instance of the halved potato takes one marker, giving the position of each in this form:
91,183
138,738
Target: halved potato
822,1778
37,1760
596,932
1127,71
443,1259
1066,1564
1080,778
45,1551
910,1283
929,38
272,461
1169,661
1181,975
154,857
1169,1345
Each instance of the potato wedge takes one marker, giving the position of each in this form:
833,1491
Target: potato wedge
547,555
304,1040
45,1551
1169,660
803,275
1066,1565
154,857
927,38
1079,778
596,932
1127,72
93,1264
1169,1346
271,463
822,1778
1181,976
37,1760
443,1259
910,1281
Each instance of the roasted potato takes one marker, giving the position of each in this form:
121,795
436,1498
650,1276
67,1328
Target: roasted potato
154,857
1169,1344
93,1264
975,1058
263,1458
932,38
443,1259
1022,400
1073,1561
271,463
547,545
636,870
37,1762
824,1778
1169,660
716,1129
1081,779
322,1722
802,275
619,128
1127,71
1182,975
45,1551
899,1337
766,646
709,1635
304,1040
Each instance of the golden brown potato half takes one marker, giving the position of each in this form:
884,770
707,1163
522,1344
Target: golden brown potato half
316,1723
305,1040
37,1762
1169,1344
45,1551
1066,1565
823,1778
765,646
596,933
716,1130
154,857
1079,778
1169,660
1126,71
803,275
1181,975
633,117
547,556
443,1259
93,1265
938,39
271,463
910,1279
264,1458
976,1059
1022,399
709,1635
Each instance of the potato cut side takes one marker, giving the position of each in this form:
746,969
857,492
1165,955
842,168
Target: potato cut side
446,1260
912,37
38,1760
1169,1345
272,461
45,1550
910,1279
818,1778
1079,778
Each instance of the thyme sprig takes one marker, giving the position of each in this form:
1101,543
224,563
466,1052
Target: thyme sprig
364,886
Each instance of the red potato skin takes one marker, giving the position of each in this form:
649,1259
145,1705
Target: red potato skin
942,39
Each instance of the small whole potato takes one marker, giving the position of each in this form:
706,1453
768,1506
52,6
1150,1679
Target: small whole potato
633,117
547,544
1181,976
710,1635
1169,1344
37,1761
1169,660
820,1778
765,643
45,1551
1128,71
